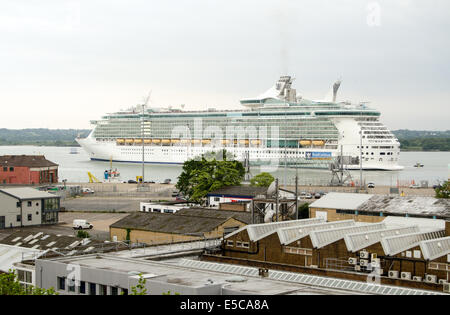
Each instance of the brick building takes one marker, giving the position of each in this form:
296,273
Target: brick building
375,208
189,224
413,252
27,170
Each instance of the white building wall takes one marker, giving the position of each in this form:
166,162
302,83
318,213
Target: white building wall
10,210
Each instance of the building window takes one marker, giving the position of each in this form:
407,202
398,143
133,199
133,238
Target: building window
82,287
30,217
24,276
5,168
92,289
71,285
245,245
51,204
238,244
61,283
11,169
19,218
103,289
216,198
29,203
230,243
114,291
124,291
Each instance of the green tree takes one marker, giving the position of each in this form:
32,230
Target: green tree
140,288
10,285
208,173
303,211
443,191
262,180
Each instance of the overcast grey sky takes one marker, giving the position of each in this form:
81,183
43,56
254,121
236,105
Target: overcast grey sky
66,62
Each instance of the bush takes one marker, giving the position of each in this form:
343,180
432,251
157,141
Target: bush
83,234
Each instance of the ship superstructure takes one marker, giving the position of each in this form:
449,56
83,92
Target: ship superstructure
278,127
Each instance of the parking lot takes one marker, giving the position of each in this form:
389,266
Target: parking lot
100,221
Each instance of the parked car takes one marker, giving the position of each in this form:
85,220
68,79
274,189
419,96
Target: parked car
131,181
370,185
167,181
87,191
414,186
317,195
305,195
175,193
79,224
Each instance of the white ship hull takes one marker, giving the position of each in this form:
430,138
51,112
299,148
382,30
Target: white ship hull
159,154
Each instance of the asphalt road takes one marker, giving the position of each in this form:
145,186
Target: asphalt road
93,203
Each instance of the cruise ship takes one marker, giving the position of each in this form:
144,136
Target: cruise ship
278,127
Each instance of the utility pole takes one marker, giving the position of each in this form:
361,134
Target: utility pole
360,159
143,134
277,200
296,195
143,147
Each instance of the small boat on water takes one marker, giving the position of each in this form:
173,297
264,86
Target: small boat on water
418,164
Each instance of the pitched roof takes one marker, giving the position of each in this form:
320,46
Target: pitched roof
411,205
169,223
358,241
259,231
436,248
323,238
244,217
397,244
292,234
27,193
344,201
26,160
44,241
241,191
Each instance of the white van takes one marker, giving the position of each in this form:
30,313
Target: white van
81,224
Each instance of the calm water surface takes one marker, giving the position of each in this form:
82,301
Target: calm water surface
74,167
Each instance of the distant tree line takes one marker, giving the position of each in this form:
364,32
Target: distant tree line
41,137
425,144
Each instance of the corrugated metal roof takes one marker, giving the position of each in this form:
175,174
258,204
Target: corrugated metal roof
320,239
425,224
358,241
27,193
259,231
13,254
436,248
412,205
345,201
397,244
306,279
292,234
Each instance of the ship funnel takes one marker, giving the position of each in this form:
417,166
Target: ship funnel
336,86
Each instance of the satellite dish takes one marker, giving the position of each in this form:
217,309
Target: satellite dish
272,189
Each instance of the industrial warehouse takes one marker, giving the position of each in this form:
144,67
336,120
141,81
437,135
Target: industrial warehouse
407,252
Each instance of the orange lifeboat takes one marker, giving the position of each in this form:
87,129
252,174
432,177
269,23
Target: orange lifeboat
318,143
305,142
